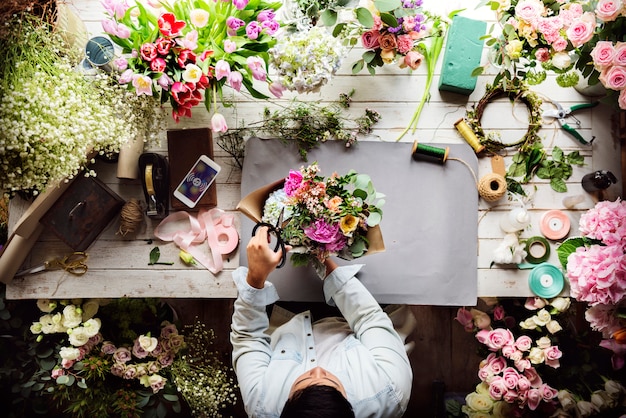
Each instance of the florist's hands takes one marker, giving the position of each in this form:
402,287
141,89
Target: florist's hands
330,266
262,260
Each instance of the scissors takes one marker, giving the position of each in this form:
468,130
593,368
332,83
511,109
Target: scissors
561,113
277,231
73,263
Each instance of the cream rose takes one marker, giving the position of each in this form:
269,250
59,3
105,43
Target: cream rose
542,317
69,353
561,304
479,402
72,316
553,327
536,355
561,60
147,343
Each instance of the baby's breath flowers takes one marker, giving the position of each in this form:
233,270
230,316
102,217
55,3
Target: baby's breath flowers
53,117
305,61
201,378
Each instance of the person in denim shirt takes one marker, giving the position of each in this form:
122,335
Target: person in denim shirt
360,356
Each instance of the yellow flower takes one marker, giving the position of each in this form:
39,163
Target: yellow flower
388,55
186,257
514,49
348,223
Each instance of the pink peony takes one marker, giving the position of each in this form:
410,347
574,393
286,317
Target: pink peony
322,232
608,10
605,222
614,78
597,274
602,55
582,30
293,182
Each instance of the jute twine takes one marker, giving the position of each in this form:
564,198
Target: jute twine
131,216
492,186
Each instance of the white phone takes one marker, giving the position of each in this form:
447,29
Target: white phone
197,181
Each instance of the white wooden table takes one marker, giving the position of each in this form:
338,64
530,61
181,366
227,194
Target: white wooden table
118,266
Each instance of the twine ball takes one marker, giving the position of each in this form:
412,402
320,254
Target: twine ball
492,187
131,217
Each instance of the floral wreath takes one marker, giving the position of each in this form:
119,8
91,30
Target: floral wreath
514,90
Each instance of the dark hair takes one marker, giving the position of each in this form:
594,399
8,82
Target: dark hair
317,401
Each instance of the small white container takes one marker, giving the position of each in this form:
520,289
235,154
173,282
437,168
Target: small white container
516,220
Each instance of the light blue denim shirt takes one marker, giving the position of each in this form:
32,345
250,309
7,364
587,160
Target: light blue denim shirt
371,363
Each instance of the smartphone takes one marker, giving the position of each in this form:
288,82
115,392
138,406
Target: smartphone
197,181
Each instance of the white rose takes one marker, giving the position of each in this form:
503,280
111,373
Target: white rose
528,323
561,60
561,304
479,402
602,400
72,316
553,327
536,355
542,317
614,389
586,409
544,342
92,327
566,399
147,343
69,353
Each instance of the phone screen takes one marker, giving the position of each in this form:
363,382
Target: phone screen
197,181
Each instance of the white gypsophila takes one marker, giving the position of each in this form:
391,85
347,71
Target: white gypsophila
49,124
305,61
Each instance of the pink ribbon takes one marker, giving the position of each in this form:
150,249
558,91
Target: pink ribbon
215,227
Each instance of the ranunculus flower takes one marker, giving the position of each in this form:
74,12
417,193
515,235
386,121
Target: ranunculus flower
513,49
218,123
69,353
608,10
369,39
72,316
78,336
602,54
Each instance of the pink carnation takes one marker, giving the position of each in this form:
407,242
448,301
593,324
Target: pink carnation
597,274
405,43
606,222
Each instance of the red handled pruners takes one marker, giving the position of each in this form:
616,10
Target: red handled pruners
561,114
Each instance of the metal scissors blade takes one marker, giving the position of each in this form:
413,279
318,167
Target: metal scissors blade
33,270
275,230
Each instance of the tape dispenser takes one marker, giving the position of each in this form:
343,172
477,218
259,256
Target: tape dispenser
154,171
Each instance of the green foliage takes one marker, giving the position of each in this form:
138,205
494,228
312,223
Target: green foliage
533,160
570,245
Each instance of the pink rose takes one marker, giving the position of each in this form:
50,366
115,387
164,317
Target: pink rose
498,313
510,377
533,376
547,392
498,338
122,355
496,363
603,54
465,318
529,10
57,373
533,397
370,39
542,54
388,41
523,342
608,10
582,30
522,364
620,54
413,59
614,78
552,355
523,384
497,388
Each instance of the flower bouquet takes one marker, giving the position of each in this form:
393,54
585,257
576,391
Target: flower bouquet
537,363
595,265
181,51
336,215
562,36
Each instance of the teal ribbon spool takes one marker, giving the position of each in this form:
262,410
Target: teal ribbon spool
532,244
546,280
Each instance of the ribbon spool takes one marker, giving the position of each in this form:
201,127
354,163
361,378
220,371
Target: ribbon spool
429,152
537,250
492,187
469,135
554,224
546,280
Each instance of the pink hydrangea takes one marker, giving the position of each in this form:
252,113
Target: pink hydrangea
603,318
597,274
606,222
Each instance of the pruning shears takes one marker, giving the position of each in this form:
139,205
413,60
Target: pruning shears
561,114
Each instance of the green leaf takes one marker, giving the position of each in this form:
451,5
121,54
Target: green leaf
574,157
374,218
357,66
544,173
569,246
329,17
338,29
557,154
387,5
155,254
358,247
477,71
365,17
389,19
170,397
360,193
558,185
82,384
63,380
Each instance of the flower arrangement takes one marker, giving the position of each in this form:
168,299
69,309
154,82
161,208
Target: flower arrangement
560,36
325,216
595,265
306,60
537,363
126,357
52,117
187,51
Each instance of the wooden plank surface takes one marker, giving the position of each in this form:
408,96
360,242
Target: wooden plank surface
118,265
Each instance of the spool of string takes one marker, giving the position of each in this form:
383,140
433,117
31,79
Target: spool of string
492,186
429,152
131,216
469,135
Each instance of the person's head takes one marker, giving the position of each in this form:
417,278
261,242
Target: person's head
316,394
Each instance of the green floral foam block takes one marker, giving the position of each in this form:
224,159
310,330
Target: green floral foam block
462,54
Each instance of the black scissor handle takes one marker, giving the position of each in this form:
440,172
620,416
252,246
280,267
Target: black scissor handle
280,244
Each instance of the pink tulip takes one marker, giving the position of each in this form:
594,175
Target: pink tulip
218,123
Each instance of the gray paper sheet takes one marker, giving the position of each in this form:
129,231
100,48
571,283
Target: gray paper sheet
429,220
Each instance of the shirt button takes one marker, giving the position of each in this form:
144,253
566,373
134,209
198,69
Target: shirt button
282,351
310,348
312,360
308,334
306,316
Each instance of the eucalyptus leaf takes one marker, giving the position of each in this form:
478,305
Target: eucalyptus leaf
387,5
5,315
358,248
374,218
142,401
357,66
63,380
329,17
389,19
362,181
364,17
170,397
82,384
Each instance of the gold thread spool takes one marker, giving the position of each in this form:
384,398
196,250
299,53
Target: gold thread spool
469,135
492,187
429,151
